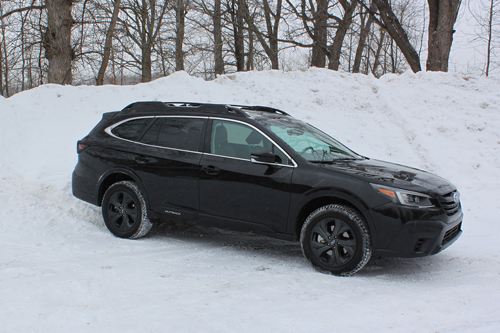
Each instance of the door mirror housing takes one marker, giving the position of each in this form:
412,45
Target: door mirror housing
263,157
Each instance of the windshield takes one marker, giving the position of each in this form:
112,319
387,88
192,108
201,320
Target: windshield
306,140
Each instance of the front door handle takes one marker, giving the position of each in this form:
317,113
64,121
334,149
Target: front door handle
141,159
210,170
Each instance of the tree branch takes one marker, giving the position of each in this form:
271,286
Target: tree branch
19,10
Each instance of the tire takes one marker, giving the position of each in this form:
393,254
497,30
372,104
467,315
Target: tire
124,210
336,240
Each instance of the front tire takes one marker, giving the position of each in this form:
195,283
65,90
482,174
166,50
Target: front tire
335,239
124,210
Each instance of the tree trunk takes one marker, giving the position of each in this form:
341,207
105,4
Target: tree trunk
57,41
1,68
376,62
273,34
2,39
180,19
239,42
318,57
107,44
335,50
145,45
219,60
250,63
442,17
365,30
490,35
396,31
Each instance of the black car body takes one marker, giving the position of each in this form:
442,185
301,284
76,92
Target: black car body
253,168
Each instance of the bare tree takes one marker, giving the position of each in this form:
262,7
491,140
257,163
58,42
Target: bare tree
390,22
142,23
107,44
57,41
343,24
442,18
366,24
180,24
487,16
269,39
217,32
237,19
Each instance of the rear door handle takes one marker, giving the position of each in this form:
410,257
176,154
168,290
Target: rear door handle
141,159
210,170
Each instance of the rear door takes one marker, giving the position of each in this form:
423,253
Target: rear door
167,160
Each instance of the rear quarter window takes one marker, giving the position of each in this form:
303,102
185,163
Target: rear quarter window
132,129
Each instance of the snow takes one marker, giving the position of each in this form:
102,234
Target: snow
62,271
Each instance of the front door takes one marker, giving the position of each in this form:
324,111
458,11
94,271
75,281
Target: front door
233,189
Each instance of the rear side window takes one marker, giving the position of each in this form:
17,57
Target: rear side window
132,129
180,133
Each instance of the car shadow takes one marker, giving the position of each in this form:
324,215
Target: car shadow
252,244
239,241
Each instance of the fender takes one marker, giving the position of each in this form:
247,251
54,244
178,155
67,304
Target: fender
124,171
337,194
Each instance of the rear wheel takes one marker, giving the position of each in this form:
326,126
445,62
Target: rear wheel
335,239
124,210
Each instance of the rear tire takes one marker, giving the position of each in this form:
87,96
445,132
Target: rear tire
124,210
335,239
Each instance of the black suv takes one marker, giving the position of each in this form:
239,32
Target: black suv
255,168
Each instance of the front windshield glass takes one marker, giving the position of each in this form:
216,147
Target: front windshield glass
309,142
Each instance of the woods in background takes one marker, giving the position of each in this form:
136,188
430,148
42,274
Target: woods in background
130,41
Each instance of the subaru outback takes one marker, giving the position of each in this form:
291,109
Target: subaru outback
256,168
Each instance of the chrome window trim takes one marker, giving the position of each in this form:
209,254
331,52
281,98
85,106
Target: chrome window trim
249,160
265,135
110,128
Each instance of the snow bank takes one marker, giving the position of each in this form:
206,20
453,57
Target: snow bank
62,271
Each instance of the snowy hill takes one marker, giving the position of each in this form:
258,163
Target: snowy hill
61,270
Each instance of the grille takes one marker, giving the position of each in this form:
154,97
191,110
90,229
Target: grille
451,233
448,202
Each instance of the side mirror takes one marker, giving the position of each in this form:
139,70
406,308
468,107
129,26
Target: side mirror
263,157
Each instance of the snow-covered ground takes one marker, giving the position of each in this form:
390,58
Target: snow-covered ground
62,271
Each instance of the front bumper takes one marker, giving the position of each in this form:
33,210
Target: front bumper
419,238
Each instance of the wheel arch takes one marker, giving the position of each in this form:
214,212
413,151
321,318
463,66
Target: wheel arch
117,175
324,198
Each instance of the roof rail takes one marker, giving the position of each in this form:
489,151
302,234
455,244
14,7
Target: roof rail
157,106
260,108
145,106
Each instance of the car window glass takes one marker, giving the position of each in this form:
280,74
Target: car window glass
151,135
180,133
132,129
233,139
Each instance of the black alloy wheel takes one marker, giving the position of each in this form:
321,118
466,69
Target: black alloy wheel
335,239
124,210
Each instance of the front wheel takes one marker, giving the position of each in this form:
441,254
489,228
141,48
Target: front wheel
124,210
335,239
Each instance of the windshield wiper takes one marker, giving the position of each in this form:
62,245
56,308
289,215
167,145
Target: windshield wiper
338,160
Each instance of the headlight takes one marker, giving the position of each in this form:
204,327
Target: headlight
407,198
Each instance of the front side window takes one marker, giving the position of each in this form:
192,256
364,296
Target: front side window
132,129
238,140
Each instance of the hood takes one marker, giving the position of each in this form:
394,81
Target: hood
392,174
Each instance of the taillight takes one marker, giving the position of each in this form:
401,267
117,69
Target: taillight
80,146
